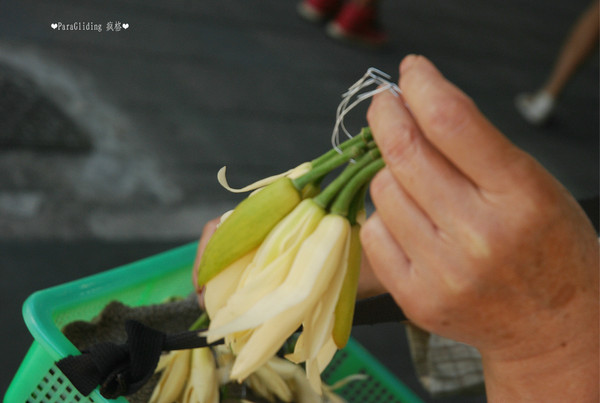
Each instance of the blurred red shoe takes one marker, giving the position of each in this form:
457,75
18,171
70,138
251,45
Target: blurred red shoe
358,24
318,10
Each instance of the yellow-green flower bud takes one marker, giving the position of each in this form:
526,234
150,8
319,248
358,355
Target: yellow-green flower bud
247,227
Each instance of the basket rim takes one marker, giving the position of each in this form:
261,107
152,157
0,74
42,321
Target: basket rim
39,307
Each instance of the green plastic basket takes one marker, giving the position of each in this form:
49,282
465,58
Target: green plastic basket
144,282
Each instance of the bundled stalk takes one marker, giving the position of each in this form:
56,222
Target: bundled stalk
285,259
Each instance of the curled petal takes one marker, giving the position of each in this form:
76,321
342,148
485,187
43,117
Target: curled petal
292,174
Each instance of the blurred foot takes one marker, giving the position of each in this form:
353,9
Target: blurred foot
535,108
318,10
358,24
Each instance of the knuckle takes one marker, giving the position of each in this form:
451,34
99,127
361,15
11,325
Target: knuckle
404,147
380,183
377,186
449,115
538,198
368,236
480,241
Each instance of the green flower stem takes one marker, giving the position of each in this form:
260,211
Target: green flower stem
201,323
331,191
356,140
343,200
318,172
371,144
364,136
357,204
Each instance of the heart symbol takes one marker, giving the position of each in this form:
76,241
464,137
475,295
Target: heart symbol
53,25
125,26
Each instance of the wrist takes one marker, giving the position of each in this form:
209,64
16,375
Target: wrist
558,363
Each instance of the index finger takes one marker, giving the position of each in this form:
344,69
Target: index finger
450,120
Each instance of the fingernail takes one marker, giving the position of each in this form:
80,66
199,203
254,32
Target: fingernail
407,63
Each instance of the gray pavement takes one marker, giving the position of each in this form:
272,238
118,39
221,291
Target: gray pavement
188,87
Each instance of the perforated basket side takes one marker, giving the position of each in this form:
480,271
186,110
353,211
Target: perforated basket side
145,282
379,386
53,387
38,380
148,281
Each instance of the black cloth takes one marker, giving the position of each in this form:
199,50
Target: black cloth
122,369
379,309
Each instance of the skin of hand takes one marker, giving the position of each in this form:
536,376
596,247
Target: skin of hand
209,229
477,242
368,283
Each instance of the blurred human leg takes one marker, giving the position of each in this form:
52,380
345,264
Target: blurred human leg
581,41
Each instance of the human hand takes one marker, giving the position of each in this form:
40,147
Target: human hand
209,229
368,283
477,242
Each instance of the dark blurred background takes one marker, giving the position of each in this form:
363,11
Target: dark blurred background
110,141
